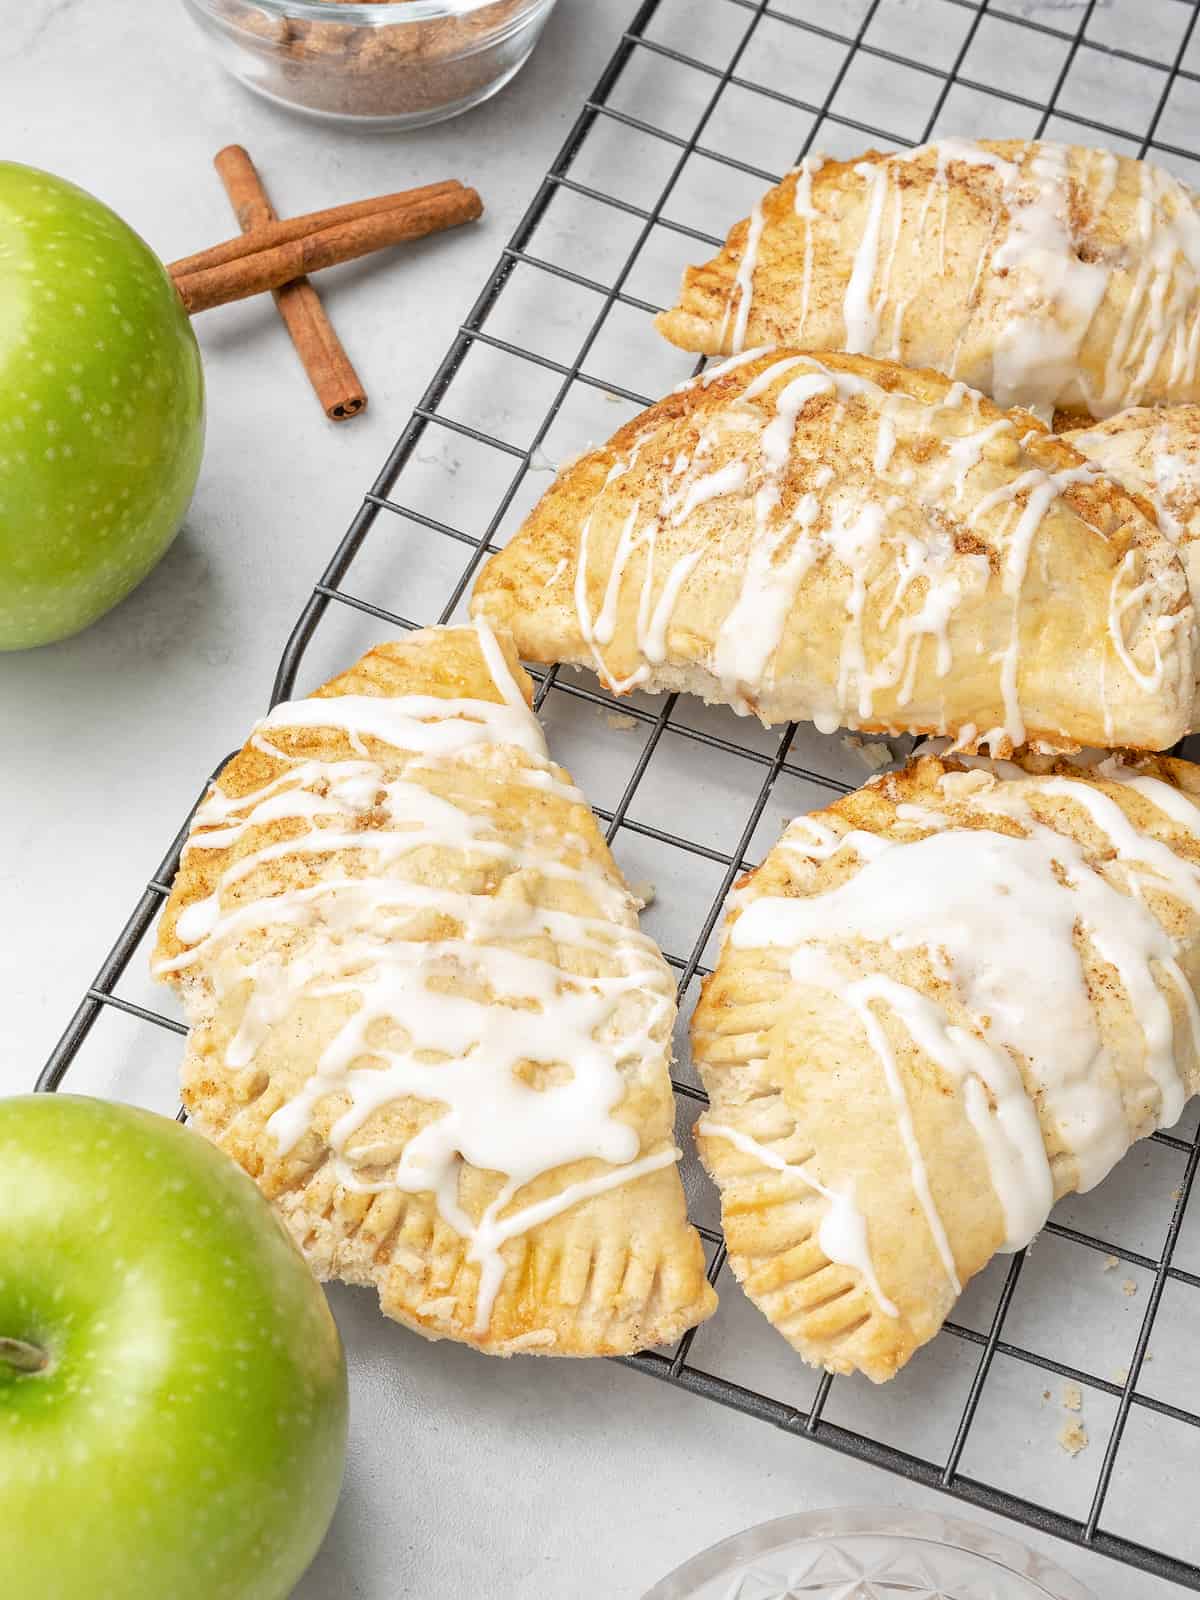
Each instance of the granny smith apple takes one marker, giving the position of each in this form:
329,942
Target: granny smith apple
172,1387
101,408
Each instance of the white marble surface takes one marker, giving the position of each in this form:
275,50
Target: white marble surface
466,1477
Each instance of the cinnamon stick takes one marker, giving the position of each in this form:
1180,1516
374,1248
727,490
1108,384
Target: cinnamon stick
347,241
288,228
320,350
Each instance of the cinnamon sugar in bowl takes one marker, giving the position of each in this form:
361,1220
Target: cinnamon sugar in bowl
375,63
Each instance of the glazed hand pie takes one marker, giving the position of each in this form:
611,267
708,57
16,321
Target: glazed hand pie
424,1019
1049,276
1155,454
848,542
940,1005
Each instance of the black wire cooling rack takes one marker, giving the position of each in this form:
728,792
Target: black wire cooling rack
699,108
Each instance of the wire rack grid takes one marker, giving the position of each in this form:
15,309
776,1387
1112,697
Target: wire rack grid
698,108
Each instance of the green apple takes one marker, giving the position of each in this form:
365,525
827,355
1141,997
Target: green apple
172,1387
101,408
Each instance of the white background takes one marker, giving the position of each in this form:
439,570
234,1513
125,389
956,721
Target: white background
466,1477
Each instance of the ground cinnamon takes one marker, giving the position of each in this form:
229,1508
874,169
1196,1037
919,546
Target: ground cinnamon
320,350
409,69
282,264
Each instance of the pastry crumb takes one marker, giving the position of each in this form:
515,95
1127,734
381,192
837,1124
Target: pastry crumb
535,1339
621,720
1045,1394
873,752
1129,1288
959,785
1072,1437
1109,1263
1072,1396
645,892
442,1308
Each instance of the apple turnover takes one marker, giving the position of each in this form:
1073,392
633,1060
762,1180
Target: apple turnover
1155,453
423,1017
1047,275
941,1004
844,541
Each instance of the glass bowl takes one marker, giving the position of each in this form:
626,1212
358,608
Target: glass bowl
384,64
844,1555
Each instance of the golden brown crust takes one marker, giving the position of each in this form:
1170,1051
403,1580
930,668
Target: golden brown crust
612,1273
942,570
946,280
791,1067
1155,454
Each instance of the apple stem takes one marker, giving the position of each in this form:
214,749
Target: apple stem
22,1356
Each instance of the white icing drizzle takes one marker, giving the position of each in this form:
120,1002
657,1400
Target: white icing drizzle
860,313
196,921
1133,848
1107,163
1041,489
492,1230
1052,296
730,479
842,1234
998,915
652,639
810,214
1032,282
1145,461
1173,474
743,283
414,722
771,375
1173,479
964,453
1135,598
628,541
885,442
900,311
459,1048
855,540
753,627
1177,805
870,540
889,260
921,815
804,176
582,608
721,369
812,967
606,620
1162,294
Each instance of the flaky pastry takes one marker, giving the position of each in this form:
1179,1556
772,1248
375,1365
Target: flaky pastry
1155,453
423,1017
840,540
1046,275
942,1004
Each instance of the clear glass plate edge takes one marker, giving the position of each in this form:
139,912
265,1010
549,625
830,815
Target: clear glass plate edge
1047,1581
